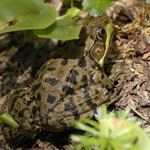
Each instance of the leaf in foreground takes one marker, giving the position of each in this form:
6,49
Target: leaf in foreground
116,134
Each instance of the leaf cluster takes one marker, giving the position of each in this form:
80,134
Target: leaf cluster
43,20
111,133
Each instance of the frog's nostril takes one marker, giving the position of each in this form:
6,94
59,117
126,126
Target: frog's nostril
106,21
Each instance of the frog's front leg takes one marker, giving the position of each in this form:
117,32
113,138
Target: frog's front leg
22,107
80,104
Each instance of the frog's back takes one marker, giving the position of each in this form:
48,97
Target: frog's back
58,78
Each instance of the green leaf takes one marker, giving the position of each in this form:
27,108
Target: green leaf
62,29
111,133
96,7
73,12
9,120
25,14
116,134
83,126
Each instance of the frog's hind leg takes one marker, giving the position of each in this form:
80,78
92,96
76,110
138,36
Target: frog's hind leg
22,107
80,104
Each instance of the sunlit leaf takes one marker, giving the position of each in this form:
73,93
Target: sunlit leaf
62,29
73,12
25,14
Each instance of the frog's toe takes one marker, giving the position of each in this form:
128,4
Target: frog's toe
13,135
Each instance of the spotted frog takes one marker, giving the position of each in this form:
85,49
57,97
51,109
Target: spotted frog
64,89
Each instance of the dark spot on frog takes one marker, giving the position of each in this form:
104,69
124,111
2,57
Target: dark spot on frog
72,79
21,112
38,96
49,117
71,106
89,100
102,76
67,89
16,98
87,88
35,110
74,72
96,92
51,81
51,69
79,97
61,121
51,110
51,99
86,96
91,37
64,62
31,122
93,66
18,92
36,86
29,103
89,73
107,86
82,62
13,102
84,79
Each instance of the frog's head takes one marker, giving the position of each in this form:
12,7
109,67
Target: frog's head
100,31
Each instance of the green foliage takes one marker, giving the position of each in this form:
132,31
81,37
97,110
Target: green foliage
35,15
62,29
69,2
8,119
25,14
96,7
111,134
73,12
102,113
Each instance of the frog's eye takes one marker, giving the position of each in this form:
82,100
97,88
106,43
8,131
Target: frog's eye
100,32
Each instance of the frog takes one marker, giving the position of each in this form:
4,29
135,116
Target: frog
64,89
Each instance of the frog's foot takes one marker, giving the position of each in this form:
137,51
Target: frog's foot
116,93
119,78
22,107
16,135
117,72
